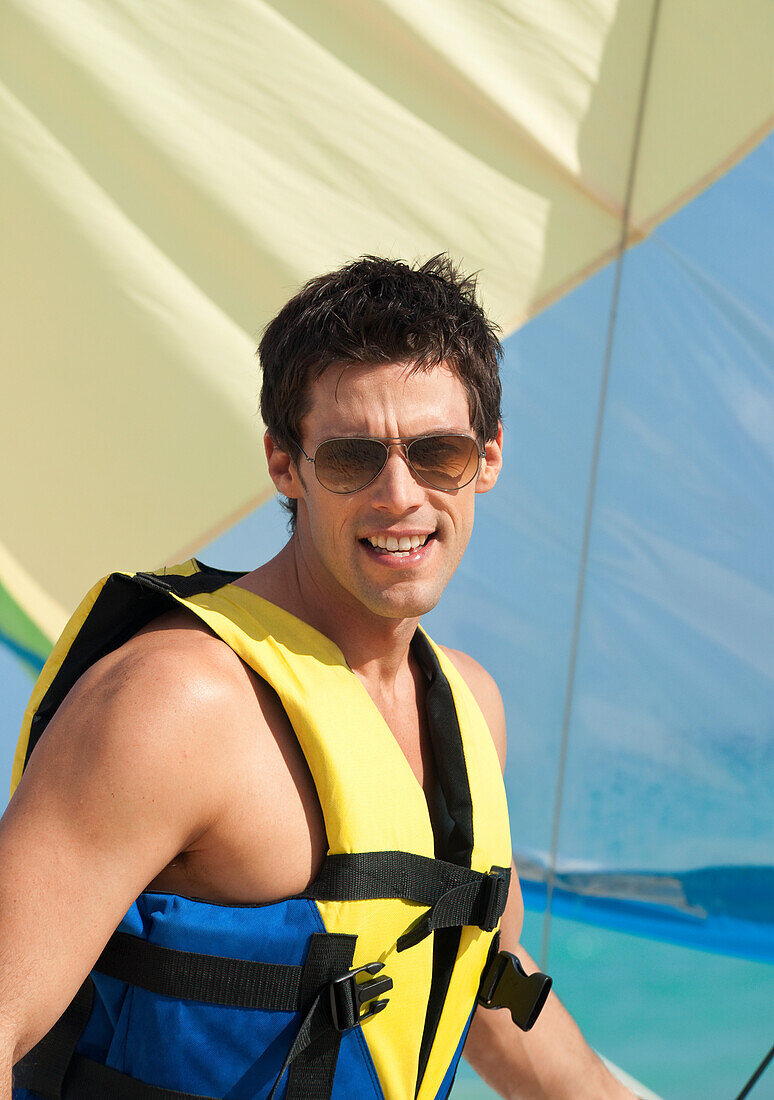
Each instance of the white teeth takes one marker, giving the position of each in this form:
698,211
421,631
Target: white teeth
401,546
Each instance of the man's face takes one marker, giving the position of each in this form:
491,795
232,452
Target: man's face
336,533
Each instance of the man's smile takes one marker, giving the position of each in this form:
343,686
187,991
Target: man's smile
398,547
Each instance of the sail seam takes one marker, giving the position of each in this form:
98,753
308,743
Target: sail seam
592,485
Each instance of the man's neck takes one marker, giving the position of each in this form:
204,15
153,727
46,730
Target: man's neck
375,647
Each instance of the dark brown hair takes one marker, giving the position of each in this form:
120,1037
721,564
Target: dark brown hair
375,310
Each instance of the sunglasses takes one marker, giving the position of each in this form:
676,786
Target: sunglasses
445,461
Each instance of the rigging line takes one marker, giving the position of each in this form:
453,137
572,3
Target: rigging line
756,1076
583,564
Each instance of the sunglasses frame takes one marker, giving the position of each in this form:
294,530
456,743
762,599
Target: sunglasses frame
388,442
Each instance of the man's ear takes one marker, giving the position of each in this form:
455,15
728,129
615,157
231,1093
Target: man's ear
282,469
492,464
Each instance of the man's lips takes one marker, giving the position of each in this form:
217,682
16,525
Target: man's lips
398,541
401,549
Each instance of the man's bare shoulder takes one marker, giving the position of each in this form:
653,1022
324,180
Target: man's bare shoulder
175,664
147,720
486,694
185,647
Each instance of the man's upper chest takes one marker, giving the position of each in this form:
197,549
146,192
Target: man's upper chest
269,839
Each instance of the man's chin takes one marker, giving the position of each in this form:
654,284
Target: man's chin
394,603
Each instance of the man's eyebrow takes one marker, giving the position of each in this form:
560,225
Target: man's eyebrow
441,429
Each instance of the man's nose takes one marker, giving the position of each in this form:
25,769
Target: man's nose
397,486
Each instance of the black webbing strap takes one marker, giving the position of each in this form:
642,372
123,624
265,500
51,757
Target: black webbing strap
455,909
364,876
211,979
457,896
44,1067
89,1080
312,1057
208,580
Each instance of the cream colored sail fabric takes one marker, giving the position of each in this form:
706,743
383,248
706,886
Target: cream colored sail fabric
170,172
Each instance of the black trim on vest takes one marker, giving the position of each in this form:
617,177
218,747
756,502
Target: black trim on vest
446,739
116,616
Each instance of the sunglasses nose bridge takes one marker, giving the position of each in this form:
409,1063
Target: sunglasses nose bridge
403,448
389,446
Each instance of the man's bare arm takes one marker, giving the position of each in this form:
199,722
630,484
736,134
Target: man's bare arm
120,783
552,1061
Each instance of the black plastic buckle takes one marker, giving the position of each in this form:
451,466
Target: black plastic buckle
348,996
493,896
506,984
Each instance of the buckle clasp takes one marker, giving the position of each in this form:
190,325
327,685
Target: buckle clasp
352,1001
493,896
505,984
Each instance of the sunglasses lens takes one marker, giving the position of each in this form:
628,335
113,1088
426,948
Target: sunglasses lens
444,461
346,465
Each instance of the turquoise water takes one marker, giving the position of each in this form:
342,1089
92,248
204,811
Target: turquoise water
688,1024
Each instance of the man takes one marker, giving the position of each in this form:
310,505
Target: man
186,791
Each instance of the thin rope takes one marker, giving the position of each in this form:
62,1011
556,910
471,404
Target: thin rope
757,1075
591,494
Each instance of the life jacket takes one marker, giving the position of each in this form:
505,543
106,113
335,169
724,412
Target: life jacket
364,985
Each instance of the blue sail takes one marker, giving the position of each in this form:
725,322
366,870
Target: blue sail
666,810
